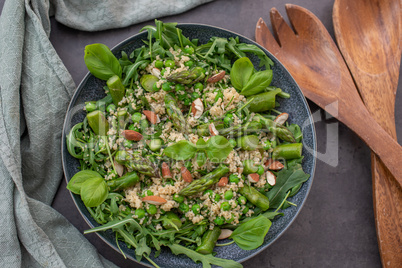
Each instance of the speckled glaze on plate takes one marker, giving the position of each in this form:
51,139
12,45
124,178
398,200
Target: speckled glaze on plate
91,88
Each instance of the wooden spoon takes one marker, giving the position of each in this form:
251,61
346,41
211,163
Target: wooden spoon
369,36
313,59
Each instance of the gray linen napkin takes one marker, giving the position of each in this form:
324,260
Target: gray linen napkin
35,89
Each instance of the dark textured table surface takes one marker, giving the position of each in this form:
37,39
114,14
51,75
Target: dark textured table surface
336,225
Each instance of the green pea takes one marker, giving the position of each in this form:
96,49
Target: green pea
187,101
159,64
155,87
155,144
132,127
228,120
136,117
228,194
90,106
184,207
163,72
242,200
196,209
167,86
178,198
195,95
219,220
128,143
149,192
189,50
189,63
140,213
217,197
233,142
144,124
170,63
245,210
209,191
234,178
230,220
267,145
199,86
152,209
180,87
260,170
111,108
225,206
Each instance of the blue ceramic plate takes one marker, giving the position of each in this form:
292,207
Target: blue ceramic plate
91,88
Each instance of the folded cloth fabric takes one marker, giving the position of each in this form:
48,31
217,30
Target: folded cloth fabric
35,89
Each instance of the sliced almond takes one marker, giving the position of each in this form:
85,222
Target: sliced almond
186,175
156,72
223,182
253,177
225,233
217,77
271,178
197,108
274,165
131,135
119,168
281,119
213,130
152,117
166,174
154,200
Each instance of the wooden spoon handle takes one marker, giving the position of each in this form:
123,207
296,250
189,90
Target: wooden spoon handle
380,142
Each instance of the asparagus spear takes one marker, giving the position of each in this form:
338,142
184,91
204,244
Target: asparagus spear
278,130
255,197
241,130
187,77
137,163
288,151
208,241
98,122
175,113
205,182
116,89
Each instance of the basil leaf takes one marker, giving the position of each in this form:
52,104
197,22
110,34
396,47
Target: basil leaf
285,180
94,191
181,150
201,158
75,184
250,235
218,149
201,144
241,72
101,62
257,83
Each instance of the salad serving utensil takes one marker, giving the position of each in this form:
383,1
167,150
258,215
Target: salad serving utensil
313,59
369,36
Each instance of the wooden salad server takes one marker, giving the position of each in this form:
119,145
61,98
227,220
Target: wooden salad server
369,36
313,59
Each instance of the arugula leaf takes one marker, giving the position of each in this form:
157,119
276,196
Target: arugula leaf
132,70
250,235
249,48
206,260
241,72
101,62
94,191
257,83
181,150
218,149
75,184
285,180
297,133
